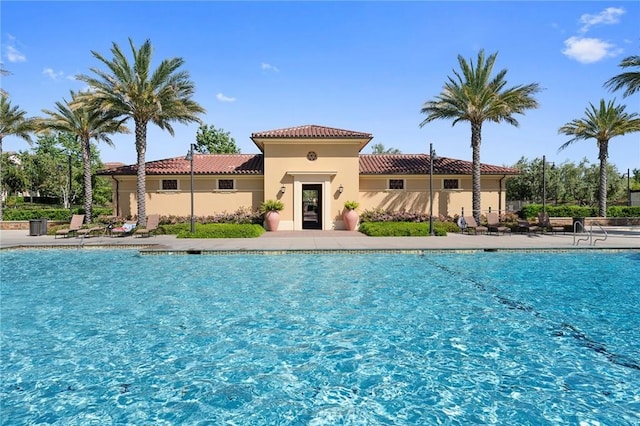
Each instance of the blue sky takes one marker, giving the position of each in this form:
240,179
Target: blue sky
364,66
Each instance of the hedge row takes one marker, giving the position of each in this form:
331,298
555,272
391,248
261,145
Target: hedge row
400,229
214,230
532,210
51,214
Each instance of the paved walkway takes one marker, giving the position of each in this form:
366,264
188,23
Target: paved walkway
617,238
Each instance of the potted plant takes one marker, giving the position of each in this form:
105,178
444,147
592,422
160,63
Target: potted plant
349,215
271,210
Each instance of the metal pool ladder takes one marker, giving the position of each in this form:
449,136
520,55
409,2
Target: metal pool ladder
592,241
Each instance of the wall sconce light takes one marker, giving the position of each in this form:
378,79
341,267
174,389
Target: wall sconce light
282,189
340,188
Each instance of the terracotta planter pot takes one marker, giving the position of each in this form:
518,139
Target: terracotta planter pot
273,220
350,218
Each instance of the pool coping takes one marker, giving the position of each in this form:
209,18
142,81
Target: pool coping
159,249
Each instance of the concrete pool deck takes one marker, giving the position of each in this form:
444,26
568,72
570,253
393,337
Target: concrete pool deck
617,238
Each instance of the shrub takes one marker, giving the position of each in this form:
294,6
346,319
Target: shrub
399,229
51,214
271,206
214,230
351,205
531,211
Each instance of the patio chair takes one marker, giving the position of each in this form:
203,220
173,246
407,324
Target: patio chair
493,223
545,224
472,225
126,229
74,226
525,226
152,226
88,232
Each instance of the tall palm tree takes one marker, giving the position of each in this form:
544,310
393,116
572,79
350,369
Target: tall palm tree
630,81
131,90
13,122
601,124
3,72
84,124
473,95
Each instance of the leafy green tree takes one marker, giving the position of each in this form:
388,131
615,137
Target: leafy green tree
379,148
84,124
14,178
629,81
13,122
601,123
131,90
475,96
210,140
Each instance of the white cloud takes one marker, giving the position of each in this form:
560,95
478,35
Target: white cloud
222,98
11,51
53,75
14,55
588,50
269,67
610,15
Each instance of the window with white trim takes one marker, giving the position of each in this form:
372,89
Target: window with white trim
169,184
451,183
226,184
396,183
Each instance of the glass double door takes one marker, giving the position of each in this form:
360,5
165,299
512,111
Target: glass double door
311,206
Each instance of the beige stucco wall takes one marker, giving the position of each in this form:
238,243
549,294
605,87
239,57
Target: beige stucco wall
415,197
206,199
286,164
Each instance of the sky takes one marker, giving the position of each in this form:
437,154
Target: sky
362,66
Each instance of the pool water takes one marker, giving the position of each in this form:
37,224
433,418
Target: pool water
112,337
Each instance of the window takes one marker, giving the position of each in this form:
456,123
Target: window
451,184
396,183
169,184
226,184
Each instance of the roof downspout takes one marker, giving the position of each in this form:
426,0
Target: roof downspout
500,193
116,202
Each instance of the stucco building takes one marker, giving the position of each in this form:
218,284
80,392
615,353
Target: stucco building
313,170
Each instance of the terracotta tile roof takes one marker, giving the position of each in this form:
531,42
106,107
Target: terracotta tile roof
253,164
311,131
203,164
412,164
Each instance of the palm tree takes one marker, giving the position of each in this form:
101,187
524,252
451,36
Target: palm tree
84,124
601,124
133,90
473,95
379,148
13,122
3,72
628,80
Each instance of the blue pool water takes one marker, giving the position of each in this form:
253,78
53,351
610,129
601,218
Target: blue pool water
112,337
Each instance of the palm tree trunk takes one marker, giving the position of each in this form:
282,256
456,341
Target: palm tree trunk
476,137
88,191
603,155
141,187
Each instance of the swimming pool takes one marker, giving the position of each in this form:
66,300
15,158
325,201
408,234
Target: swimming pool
112,337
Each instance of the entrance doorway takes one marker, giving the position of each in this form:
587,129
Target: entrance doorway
311,206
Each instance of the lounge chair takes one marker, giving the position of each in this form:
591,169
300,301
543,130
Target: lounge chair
126,229
525,226
493,223
74,226
152,226
545,224
88,232
470,224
